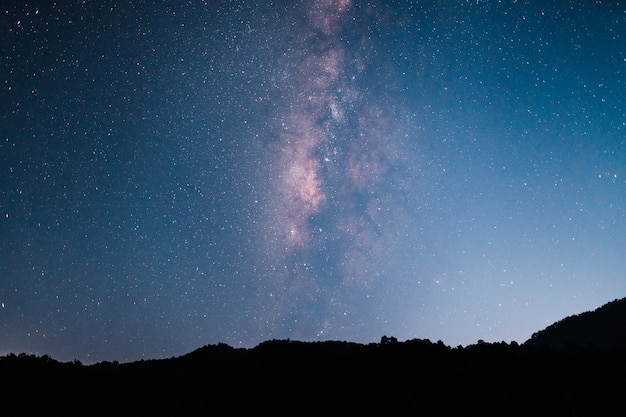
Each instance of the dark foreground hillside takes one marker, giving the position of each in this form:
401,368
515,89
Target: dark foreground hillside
603,327
415,377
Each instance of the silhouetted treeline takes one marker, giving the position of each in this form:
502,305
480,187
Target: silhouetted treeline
603,327
283,377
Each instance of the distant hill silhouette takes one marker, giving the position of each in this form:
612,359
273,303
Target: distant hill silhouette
604,327
584,375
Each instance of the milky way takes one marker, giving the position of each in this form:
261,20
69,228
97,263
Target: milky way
329,205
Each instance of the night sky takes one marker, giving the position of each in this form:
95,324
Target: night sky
175,174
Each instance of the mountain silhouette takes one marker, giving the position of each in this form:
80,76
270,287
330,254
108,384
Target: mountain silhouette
574,367
604,327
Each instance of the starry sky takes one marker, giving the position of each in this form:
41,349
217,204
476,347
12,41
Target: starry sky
176,174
